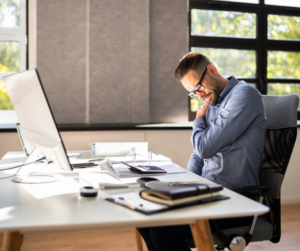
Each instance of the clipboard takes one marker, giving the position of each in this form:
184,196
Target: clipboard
134,202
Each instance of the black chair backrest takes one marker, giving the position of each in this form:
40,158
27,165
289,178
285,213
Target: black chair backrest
281,113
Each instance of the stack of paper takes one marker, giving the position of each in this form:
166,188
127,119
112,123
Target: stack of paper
107,149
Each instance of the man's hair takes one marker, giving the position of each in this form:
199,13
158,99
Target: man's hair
192,61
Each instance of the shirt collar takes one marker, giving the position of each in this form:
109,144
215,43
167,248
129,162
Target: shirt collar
232,82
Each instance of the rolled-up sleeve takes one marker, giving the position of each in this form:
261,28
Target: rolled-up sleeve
234,117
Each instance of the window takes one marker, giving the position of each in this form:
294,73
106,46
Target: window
13,42
255,40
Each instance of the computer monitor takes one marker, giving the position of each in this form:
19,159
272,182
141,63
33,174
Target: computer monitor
39,130
71,155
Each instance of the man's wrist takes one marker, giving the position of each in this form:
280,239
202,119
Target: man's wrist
199,122
199,116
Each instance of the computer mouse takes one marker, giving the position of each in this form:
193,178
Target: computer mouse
144,180
156,184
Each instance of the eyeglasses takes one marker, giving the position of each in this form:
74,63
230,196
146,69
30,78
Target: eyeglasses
198,88
134,155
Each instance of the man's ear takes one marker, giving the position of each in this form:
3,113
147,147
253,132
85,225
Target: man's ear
212,70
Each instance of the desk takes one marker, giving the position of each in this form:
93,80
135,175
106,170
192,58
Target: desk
22,212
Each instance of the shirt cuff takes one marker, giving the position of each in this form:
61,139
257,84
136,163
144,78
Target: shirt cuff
199,122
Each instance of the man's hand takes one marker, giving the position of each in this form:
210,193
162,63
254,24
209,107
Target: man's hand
202,111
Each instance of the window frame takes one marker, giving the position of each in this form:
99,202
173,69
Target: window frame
17,34
261,44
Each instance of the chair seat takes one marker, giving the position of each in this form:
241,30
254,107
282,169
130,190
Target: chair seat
263,231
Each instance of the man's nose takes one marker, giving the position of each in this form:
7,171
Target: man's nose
200,94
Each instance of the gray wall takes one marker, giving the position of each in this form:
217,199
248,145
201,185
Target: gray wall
61,43
133,49
168,43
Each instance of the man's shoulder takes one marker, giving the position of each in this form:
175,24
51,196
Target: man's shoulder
242,87
243,93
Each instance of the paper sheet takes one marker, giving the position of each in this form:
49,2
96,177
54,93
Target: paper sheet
64,186
134,201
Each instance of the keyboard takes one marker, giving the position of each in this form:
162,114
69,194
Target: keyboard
102,180
104,185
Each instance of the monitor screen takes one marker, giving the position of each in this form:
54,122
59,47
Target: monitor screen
39,130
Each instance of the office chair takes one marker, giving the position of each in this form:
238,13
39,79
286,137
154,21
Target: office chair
281,133
281,113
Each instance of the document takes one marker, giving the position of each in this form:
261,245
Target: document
135,202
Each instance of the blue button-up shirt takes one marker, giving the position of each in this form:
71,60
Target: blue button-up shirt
228,145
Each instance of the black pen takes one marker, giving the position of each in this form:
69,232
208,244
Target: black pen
83,165
95,160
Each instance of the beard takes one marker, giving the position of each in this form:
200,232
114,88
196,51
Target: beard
215,93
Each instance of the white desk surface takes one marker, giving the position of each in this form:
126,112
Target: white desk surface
21,209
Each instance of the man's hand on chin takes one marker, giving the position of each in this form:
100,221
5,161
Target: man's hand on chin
202,111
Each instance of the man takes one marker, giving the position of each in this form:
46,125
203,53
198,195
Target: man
228,138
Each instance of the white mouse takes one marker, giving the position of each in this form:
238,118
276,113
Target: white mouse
156,184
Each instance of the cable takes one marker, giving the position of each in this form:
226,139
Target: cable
7,177
23,164
20,166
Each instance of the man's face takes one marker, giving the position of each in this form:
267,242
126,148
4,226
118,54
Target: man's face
212,87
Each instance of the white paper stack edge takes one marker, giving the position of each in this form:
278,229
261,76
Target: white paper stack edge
144,158
110,149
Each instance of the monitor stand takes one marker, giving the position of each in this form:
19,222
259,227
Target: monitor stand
36,177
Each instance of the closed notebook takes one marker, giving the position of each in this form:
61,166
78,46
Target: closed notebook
181,193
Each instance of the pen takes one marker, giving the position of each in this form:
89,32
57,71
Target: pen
83,165
94,160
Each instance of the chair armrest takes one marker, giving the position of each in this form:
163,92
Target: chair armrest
245,190
261,189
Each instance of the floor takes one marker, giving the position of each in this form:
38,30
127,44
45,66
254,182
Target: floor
110,239
290,232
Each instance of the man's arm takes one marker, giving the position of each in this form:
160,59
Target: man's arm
195,164
235,116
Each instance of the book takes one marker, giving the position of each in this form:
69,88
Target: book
181,193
